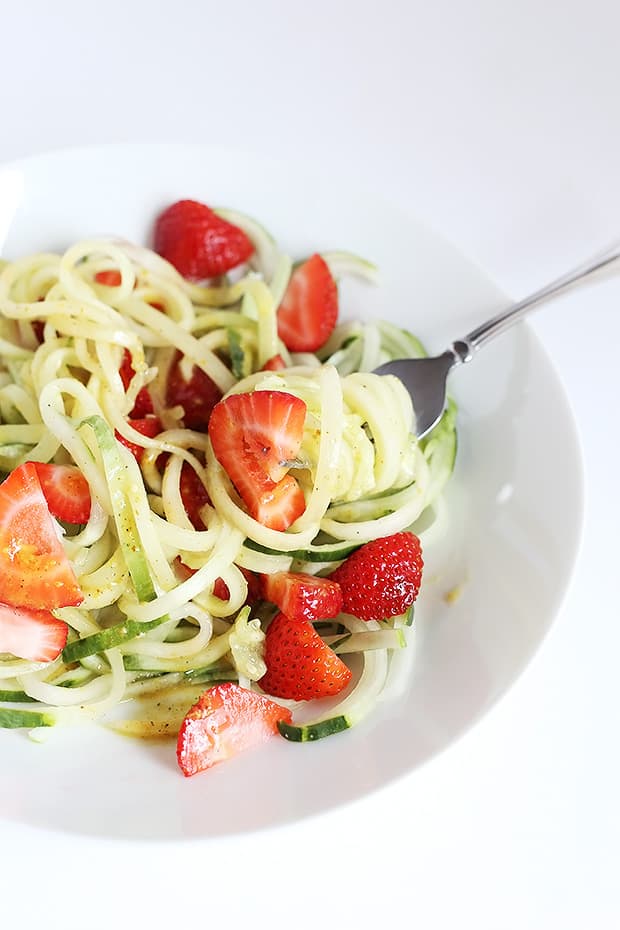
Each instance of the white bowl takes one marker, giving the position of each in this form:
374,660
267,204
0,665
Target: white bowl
514,504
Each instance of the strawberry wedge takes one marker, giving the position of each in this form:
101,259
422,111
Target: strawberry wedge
300,666
301,596
309,309
66,491
226,720
31,634
34,569
255,438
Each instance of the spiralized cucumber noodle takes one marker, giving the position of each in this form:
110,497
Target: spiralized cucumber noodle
145,626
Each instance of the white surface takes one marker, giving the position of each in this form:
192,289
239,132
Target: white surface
498,121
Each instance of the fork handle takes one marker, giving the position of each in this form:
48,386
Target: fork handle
464,348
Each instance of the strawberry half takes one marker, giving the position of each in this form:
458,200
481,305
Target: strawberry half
194,495
275,363
309,309
255,437
66,491
302,597
36,635
226,720
382,578
300,666
198,396
111,277
143,405
147,426
198,242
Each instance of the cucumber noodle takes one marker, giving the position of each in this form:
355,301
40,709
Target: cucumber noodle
363,473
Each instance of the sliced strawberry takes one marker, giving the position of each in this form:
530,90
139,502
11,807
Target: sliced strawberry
300,666
309,309
194,495
275,363
198,242
277,506
226,720
147,426
220,588
266,425
34,569
254,437
382,578
66,491
143,405
38,326
302,597
31,634
111,277
198,396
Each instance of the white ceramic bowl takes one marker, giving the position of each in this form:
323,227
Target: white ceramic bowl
514,505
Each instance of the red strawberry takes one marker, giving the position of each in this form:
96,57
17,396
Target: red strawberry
254,437
111,277
194,495
309,309
31,634
198,242
382,578
37,327
275,363
34,569
198,396
66,491
220,588
148,426
302,597
226,720
300,666
143,405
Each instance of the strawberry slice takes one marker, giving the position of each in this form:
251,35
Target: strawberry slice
143,405
309,309
220,588
275,363
300,666
111,277
255,437
382,578
66,491
194,495
198,396
198,242
226,720
34,569
270,426
31,634
302,597
148,426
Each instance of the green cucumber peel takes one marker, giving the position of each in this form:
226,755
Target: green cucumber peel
12,719
108,639
16,697
309,732
326,552
124,518
238,357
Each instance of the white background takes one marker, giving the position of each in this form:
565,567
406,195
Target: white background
500,122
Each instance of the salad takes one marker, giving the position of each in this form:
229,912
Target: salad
211,509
